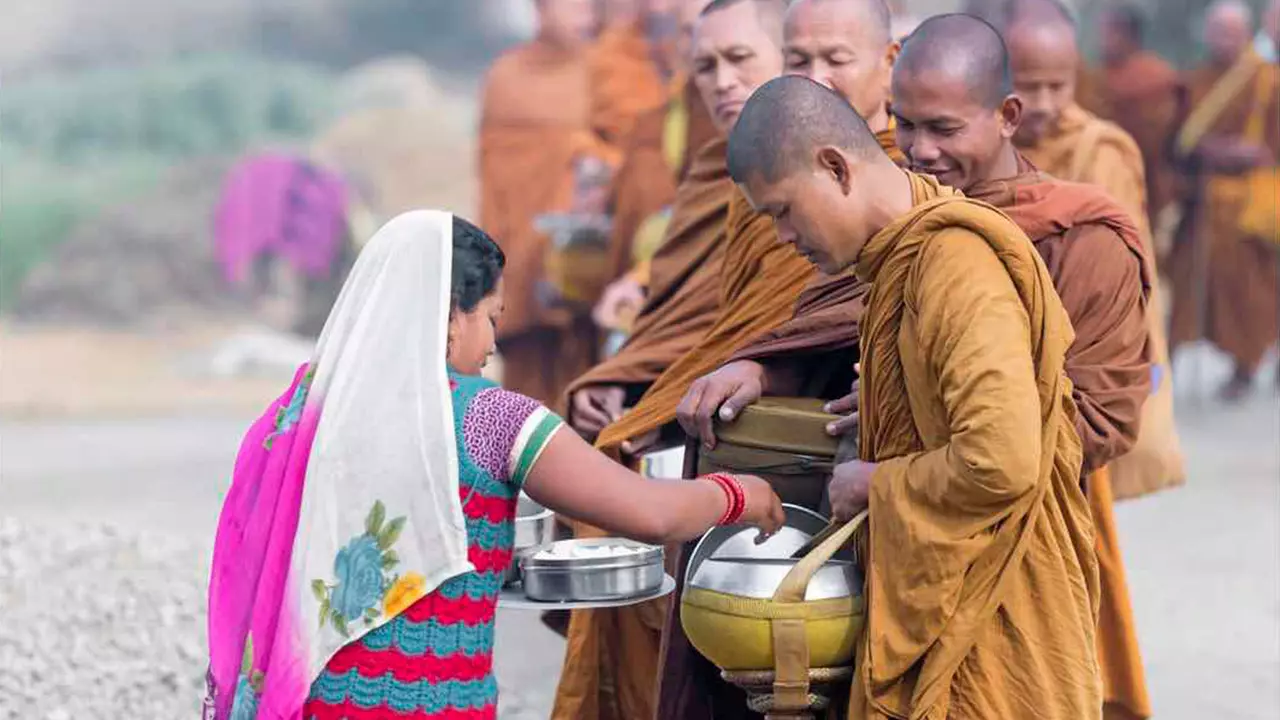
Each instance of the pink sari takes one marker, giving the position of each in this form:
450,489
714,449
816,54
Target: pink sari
251,560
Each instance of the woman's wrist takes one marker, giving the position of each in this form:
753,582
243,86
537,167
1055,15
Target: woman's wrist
734,494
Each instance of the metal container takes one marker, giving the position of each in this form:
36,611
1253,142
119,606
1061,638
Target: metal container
535,527
567,579
760,577
740,540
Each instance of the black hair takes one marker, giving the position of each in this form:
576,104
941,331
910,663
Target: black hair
965,45
477,265
782,123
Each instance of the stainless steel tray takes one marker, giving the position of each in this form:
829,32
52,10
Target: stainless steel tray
592,579
512,597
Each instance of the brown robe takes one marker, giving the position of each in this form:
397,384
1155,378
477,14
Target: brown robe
646,182
534,123
1140,95
610,666
625,82
762,280
1095,257
1240,290
982,584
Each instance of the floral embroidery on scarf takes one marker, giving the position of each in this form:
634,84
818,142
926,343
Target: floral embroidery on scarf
288,415
365,585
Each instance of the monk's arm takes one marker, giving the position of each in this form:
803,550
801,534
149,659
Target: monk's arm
974,335
1100,282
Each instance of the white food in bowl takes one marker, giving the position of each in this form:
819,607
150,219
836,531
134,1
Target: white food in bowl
571,551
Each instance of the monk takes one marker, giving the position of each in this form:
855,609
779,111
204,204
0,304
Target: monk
611,662
1069,143
1140,93
982,583
656,159
847,46
625,82
1225,281
534,125
955,121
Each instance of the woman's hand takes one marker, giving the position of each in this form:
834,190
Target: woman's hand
764,508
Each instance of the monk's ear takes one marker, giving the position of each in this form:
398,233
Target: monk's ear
1010,115
891,52
836,166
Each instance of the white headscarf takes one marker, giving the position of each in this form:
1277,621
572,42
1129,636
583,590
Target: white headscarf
385,453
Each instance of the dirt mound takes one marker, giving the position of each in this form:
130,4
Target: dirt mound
146,259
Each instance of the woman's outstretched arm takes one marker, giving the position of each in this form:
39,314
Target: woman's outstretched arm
573,478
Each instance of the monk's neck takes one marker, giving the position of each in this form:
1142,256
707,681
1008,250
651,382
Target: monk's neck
1005,167
878,121
895,199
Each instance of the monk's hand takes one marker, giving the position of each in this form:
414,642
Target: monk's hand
849,488
595,407
642,444
848,407
723,393
764,508
623,296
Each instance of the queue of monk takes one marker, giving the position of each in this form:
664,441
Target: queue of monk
955,238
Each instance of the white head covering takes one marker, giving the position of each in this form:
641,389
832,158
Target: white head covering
385,454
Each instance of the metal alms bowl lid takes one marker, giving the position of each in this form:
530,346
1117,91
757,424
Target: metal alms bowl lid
759,578
740,540
558,557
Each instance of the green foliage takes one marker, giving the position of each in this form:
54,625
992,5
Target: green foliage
73,143
200,105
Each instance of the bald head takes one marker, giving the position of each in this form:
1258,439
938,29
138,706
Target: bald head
1045,60
873,15
1228,28
959,47
737,47
786,122
769,12
847,46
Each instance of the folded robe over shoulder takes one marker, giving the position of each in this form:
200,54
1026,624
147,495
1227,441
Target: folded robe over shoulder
763,278
982,582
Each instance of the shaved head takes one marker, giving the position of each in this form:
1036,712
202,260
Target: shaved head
806,158
846,45
962,47
1045,59
1228,28
786,121
768,12
874,14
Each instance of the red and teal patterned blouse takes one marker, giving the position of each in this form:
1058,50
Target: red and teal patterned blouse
434,661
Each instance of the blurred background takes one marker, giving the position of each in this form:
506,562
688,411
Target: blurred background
134,349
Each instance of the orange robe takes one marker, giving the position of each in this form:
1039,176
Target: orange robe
611,661
534,123
1141,96
981,585
1238,273
1095,257
625,82
1088,150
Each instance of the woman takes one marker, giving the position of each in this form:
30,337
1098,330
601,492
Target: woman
362,545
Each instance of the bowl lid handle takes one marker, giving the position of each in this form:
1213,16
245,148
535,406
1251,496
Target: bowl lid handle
793,586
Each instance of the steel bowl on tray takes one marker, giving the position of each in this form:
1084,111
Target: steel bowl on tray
555,574
535,528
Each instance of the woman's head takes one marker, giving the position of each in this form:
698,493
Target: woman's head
476,297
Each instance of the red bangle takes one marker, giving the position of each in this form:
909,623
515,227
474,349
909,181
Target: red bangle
734,494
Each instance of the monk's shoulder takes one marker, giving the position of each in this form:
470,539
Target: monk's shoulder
954,254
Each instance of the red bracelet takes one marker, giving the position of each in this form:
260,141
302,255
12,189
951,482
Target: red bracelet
734,494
